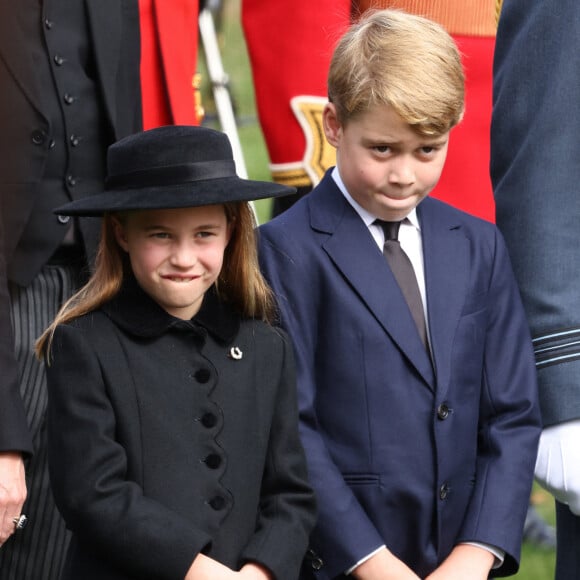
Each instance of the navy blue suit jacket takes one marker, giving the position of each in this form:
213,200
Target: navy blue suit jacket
403,451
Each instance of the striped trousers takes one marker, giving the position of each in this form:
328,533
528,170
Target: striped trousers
37,552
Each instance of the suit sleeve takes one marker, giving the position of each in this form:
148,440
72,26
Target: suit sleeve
14,433
509,419
88,466
536,177
344,532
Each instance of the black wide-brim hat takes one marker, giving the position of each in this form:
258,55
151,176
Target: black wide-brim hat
171,167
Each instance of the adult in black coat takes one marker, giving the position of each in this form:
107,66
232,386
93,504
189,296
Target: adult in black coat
69,78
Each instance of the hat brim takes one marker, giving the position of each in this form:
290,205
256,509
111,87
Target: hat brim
201,193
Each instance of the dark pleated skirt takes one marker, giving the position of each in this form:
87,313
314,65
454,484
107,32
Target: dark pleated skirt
37,552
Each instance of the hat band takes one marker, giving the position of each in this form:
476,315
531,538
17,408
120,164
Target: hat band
172,174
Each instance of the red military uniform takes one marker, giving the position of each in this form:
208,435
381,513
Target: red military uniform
290,51
169,38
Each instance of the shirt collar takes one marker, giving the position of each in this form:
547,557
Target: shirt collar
136,312
367,217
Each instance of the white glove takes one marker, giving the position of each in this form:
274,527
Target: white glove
558,463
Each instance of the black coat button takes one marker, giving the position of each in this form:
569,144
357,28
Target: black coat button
63,219
444,491
213,460
68,98
74,140
58,60
202,375
217,503
209,420
38,137
71,180
47,23
443,411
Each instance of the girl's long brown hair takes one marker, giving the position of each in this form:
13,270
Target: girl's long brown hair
240,282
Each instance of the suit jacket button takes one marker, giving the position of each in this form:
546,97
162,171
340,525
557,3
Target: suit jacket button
58,60
38,137
316,562
63,219
443,411
444,491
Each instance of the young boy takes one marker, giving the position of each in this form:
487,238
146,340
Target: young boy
420,422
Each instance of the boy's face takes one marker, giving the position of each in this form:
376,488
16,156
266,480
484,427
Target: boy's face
175,254
386,167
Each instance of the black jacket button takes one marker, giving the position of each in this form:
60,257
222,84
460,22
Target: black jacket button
213,460
59,61
38,137
209,420
316,562
217,503
202,375
68,98
443,411
444,491
63,219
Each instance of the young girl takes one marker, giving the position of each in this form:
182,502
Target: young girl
172,420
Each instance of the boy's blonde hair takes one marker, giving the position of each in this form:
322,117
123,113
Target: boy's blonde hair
405,61
240,282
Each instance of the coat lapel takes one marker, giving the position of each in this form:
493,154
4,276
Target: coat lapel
362,264
105,15
446,259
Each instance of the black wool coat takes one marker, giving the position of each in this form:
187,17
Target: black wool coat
168,438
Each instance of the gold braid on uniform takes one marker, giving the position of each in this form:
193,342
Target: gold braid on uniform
498,4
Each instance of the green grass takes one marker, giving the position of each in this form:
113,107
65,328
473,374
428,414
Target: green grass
536,564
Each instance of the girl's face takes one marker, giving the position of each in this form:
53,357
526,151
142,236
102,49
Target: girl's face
175,254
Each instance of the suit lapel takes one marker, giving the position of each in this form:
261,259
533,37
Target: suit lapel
105,20
362,264
14,54
446,259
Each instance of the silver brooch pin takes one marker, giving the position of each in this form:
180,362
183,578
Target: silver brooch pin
235,353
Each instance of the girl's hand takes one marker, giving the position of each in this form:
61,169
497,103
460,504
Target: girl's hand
465,561
205,568
253,571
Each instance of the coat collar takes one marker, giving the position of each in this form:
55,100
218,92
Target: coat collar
138,314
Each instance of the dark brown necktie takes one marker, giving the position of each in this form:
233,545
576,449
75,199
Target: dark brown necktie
404,274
